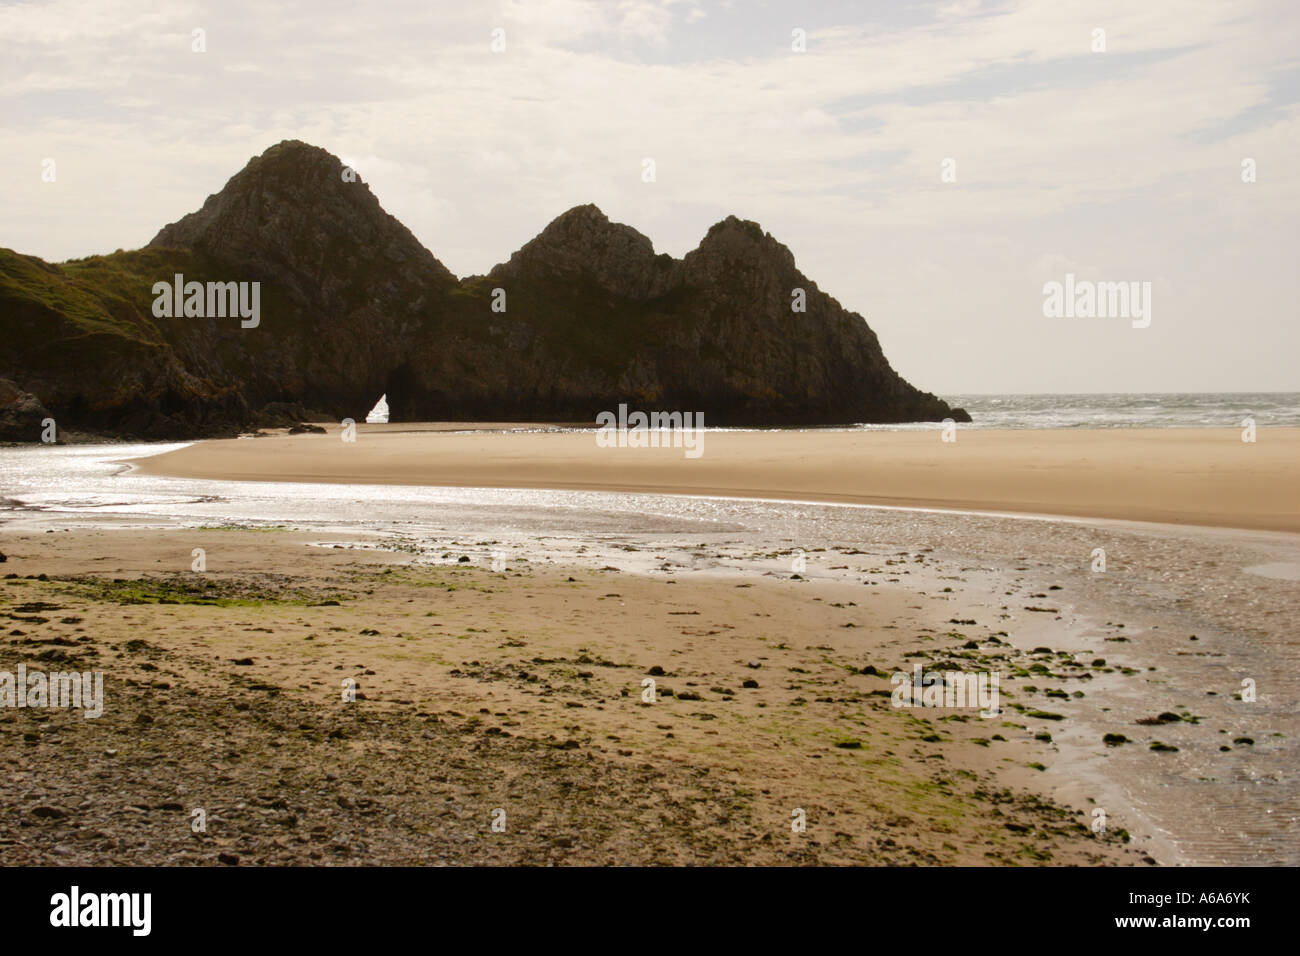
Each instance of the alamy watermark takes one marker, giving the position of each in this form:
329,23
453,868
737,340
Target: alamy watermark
651,430
1085,299
56,689
75,908
951,689
213,300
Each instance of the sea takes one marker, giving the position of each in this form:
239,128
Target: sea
1117,410
1129,410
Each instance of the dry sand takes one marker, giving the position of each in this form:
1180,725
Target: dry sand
1182,476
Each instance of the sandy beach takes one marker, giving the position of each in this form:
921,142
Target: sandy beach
1177,475
500,639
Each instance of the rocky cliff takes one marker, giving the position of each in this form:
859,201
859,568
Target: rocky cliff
352,306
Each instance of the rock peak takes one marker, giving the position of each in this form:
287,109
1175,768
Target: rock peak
587,223
583,243
733,240
587,211
297,206
294,160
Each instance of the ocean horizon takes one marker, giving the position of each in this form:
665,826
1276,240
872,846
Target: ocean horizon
1012,410
1128,409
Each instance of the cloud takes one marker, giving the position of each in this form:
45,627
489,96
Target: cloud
1128,160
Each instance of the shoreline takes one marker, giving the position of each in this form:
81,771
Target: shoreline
1202,477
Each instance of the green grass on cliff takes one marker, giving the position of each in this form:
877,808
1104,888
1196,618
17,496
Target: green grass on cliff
110,294
28,285
113,295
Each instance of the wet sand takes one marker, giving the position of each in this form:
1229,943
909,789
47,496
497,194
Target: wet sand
481,691
1178,476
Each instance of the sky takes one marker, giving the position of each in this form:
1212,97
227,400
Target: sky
931,165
